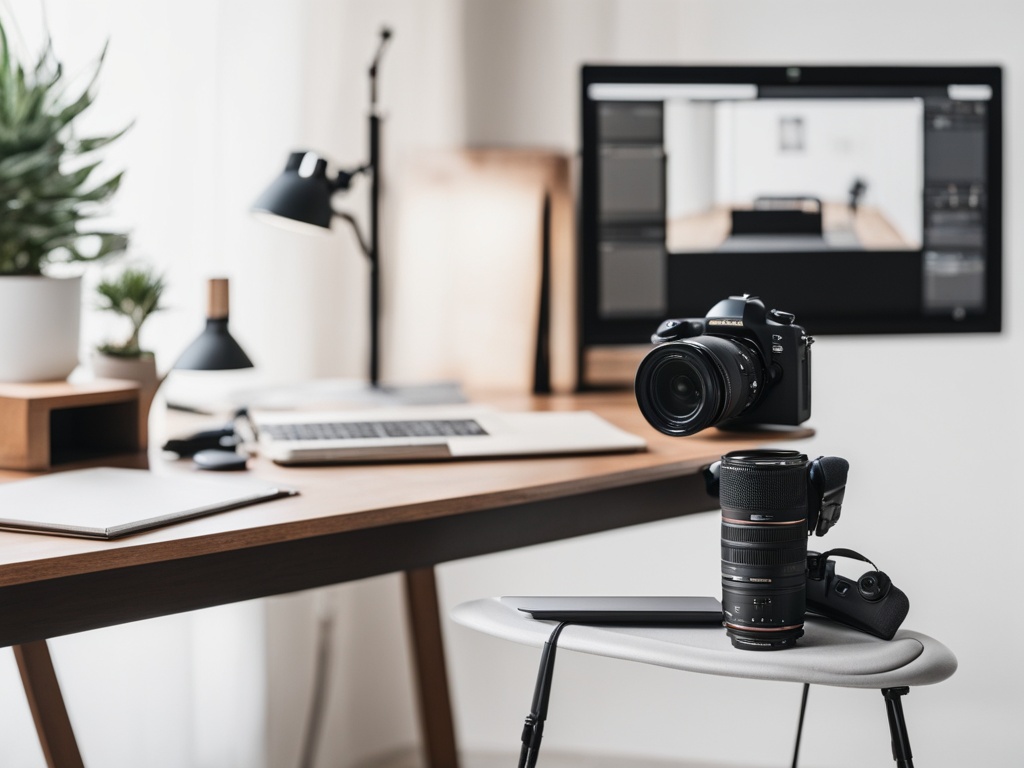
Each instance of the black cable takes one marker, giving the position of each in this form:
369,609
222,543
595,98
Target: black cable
533,729
800,724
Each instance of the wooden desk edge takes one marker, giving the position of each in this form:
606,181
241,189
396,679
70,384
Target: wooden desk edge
139,550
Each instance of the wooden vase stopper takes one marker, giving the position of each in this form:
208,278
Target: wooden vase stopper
217,306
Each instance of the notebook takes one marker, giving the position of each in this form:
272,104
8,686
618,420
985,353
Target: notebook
435,432
108,502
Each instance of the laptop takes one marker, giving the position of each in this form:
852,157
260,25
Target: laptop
622,609
434,432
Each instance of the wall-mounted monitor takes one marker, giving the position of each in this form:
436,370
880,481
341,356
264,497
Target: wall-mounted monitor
862,199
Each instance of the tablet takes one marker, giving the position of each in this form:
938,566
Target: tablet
622,609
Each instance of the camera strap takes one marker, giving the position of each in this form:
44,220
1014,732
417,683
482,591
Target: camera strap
840,552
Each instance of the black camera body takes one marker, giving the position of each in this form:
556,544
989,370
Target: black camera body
872,603
742,365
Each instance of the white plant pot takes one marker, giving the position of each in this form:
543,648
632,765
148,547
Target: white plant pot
39,322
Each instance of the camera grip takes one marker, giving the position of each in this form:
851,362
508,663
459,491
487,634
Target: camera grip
837,598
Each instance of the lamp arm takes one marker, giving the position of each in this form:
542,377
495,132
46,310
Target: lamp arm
344,178
363,245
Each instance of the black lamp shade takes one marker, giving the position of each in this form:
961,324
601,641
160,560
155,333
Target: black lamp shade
302,192
213,350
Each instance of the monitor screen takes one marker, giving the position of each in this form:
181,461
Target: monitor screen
862,199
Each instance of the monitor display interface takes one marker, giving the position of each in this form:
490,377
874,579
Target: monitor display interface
862,199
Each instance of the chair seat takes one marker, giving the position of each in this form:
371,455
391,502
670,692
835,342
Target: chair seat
827,654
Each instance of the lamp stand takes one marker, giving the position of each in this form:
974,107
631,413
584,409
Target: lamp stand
373,247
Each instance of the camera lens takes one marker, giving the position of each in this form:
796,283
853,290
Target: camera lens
683,387
764,547
686,392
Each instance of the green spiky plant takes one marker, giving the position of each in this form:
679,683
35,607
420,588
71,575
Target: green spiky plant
47,194
134,294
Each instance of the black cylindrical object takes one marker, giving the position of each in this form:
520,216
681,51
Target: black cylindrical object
764,497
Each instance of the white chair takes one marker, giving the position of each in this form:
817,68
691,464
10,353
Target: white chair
827,654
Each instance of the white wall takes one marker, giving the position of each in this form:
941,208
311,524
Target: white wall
928,424
222,90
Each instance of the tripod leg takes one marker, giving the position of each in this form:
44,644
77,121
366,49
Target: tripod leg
800,725
898,727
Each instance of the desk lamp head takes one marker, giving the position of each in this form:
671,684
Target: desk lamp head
300,197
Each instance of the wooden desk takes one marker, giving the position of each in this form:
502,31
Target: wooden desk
348,523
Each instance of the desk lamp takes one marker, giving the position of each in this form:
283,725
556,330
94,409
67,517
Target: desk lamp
300,199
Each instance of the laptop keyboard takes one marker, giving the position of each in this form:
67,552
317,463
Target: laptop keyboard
363,430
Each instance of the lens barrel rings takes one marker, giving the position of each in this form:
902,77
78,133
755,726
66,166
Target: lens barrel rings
764,547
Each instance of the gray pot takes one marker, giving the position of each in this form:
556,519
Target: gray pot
141,369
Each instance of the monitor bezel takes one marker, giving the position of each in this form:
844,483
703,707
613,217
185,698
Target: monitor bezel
596,331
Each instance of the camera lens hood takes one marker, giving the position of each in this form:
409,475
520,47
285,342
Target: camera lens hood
764,486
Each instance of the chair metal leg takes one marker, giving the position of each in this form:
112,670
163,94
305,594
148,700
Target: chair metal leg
800,725
898,727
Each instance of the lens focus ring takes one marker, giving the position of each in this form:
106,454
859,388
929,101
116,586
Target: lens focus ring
763,557
764,498
763,534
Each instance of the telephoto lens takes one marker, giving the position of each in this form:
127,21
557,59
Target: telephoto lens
764,498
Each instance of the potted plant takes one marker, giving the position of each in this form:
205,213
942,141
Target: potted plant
134,294
47,196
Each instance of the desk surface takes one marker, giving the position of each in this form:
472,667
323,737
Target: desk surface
359,521
339,499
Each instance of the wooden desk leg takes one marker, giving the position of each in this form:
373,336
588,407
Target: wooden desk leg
44,699
431,678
